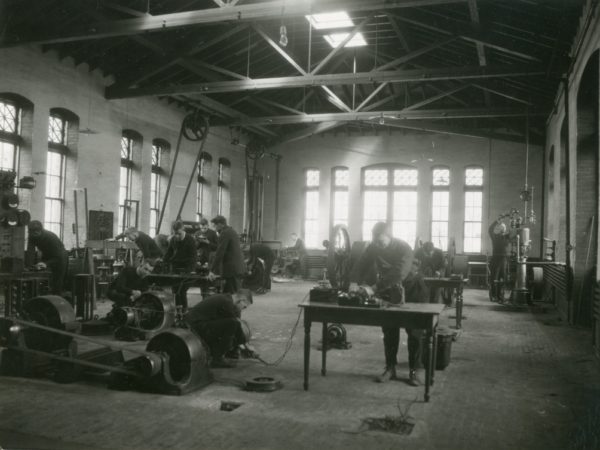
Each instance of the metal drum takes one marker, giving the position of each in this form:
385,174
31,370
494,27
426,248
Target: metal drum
151,313
185,362
50,311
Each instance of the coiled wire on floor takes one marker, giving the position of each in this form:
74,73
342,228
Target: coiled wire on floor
288,344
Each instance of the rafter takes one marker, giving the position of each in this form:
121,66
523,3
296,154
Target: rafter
267,10
396,115
334,99
396,76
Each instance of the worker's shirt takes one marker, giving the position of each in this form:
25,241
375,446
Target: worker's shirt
393,262
430,263
147,246
228,261
215,307
128,281
500,241
52,249
182,254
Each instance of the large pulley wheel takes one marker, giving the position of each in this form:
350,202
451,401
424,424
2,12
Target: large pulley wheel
183,349
195,126
50,311
338,257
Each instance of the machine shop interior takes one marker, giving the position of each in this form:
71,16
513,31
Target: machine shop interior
266,224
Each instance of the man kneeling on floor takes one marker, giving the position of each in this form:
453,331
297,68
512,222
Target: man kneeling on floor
129,285
217,320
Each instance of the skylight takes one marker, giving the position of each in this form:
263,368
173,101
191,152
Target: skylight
335,39
326,21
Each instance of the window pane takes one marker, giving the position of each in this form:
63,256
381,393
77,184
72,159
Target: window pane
312,205
312,178
473,206
474,176
441,177
404,224
406,177
125,148
56,130
340,208
472,242
311,233
8,118
199,198
156,151
7,155
54,166
439,234
153,221
375,210
376,177
439,206
341,177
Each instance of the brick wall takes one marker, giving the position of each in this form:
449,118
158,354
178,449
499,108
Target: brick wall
49,83
504,174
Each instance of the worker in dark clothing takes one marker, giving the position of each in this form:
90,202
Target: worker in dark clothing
264,253
148,249
129,285
181,256
431,264
54,256
217,320
500,250
297,250
228,262
206,242
392,259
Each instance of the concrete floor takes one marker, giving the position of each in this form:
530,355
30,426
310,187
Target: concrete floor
517,380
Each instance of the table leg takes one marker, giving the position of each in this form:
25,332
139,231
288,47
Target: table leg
459,308
324,350
306,350
434,359
428,369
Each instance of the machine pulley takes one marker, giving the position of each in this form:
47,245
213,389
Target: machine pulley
195,126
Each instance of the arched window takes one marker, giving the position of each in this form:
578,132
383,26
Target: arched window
159,148
128,208
10,133
311,207
440,204
62,132
202,185
224,176
390,195
473,209
339,195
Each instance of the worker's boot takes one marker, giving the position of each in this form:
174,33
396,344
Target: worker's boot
388,374
413,379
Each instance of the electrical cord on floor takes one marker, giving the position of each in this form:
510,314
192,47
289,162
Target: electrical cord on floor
288,344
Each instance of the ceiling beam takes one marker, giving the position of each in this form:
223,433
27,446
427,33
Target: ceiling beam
307,132
411,55
267,10
396,115
395,76
331,97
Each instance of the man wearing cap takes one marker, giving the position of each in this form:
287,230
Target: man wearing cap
54,256
148,250
217,320
181,256
206,242
228,262
431,264
393,262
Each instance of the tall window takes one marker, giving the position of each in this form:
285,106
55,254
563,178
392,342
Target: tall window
202,185
55,174
125,182
473,209
390,195
158,147
440,202
340,195
311,208
223,187
10,121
